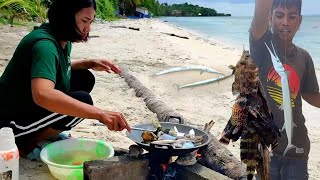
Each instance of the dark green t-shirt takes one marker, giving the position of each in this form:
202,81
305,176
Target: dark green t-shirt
38,55
302,79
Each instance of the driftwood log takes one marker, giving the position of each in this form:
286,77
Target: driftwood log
216,156
171,34
93,36
132,28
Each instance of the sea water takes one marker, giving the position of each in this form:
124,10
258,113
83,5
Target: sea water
234,31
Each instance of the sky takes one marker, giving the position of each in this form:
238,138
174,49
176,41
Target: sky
243,7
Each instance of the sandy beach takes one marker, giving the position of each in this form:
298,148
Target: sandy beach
144,53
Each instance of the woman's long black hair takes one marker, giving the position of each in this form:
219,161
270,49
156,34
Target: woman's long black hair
62,20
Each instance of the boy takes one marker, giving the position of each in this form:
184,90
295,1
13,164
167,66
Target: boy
278,21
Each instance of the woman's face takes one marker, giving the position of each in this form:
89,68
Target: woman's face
84,18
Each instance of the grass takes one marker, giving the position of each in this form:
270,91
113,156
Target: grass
112,19
16,22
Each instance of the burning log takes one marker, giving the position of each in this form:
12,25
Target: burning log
215,156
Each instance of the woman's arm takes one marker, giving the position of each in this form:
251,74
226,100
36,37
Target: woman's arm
81,64
46,96
95,64
312,98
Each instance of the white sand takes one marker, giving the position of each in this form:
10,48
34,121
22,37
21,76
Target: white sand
145,53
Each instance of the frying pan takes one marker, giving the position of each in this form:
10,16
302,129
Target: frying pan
135,136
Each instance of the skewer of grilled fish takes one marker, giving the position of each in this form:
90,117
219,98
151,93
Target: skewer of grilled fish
251,119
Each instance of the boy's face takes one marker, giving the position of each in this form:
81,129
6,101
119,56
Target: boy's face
285,22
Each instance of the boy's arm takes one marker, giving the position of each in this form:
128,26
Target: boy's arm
260,20
312,98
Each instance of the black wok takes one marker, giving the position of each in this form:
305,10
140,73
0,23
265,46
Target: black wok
135,135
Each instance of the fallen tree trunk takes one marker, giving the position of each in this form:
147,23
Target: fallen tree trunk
164,112
215,156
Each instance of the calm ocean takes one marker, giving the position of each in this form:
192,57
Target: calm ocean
233,31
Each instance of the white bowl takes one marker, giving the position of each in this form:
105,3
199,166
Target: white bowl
65,158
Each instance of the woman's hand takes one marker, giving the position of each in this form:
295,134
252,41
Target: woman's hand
115,121
104,65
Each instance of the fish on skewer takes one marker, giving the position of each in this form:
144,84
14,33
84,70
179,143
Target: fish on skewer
286,104
251,120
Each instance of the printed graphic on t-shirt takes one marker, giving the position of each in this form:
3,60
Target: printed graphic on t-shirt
69,67
274,85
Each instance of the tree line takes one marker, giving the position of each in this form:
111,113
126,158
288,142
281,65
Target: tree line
185,10
36,10
165,9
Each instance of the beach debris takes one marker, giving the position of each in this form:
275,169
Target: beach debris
204,82
188,68
93,36
251,120
286,99
132,28
171,34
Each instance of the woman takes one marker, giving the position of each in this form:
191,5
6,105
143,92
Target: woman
42,93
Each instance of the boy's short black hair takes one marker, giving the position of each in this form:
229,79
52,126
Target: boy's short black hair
61,15
287,3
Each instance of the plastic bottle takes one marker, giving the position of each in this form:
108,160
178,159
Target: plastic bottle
9,155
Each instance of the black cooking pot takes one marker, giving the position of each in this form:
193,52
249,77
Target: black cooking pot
135,136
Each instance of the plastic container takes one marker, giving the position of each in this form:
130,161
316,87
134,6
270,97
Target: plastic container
9,155
65,158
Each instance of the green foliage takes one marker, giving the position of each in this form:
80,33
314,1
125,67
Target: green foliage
105,9
115,3
188,10
129,6
23,9
36,10
153,6
185,9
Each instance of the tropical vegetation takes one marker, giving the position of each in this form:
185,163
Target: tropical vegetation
36,10
185,10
